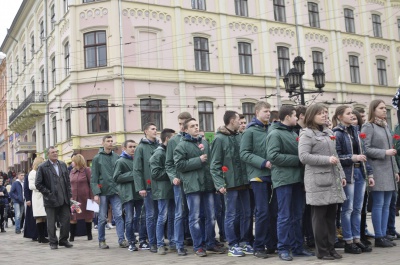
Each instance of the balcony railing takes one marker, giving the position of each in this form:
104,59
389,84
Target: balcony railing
34,97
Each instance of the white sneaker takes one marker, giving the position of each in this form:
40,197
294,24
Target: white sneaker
108,227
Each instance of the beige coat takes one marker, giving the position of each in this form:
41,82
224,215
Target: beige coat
37,197
322,180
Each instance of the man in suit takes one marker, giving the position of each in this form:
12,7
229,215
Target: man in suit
52,181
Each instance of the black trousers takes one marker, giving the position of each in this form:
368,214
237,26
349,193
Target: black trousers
2,209
62,214
323,223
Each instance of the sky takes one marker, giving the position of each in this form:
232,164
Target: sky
8,10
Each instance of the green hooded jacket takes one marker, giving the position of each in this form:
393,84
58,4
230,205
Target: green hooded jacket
169,162
141,164
102,182
161,186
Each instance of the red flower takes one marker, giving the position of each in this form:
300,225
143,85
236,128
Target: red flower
363,135
100,186
224,169
297,139
148,181
333,138
396,137
201,146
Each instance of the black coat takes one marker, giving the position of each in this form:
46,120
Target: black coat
47,180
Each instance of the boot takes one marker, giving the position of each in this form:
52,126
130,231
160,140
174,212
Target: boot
41,230
72,230
89,230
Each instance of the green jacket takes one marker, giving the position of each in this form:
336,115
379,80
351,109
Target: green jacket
123,176
169,162
283,153
102,182
141,165
225,152
253,150
195,175
161,186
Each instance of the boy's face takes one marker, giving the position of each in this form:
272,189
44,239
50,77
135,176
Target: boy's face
193,128
21,177
130,149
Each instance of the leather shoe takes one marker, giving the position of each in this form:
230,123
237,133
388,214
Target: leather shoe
335,255
364,248
66,244
303,253
285,256
326,258
53,246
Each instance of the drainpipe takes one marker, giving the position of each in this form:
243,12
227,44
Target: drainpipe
121,51
46,77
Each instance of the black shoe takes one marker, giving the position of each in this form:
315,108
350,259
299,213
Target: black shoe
339,244
303,253
3,230
53,246
261,254
188,242
285,256
366,242
390,241
380,242
352,248
216,250
391,237
153,248
335,255
326,258
65,244
364,248
181,252
311,243
270,251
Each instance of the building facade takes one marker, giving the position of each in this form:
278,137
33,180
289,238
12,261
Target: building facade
81,69
3,117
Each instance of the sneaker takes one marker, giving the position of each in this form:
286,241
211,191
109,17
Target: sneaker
95,227
352,248
108,226
103,245
381,242
172,248
261,254
144,246
219,244
216,250
236,251
153,248
182,252
364,248
161,251
132,247
188,242
285,256
201,253
123,244
247,249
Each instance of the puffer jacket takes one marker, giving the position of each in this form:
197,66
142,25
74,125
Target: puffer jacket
141,164
101,181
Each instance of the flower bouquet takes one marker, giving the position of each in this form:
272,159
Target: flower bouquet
75,206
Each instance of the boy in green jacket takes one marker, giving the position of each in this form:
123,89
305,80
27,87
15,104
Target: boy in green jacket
163,193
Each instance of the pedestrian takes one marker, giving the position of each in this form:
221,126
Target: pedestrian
17,197
30,228
3,204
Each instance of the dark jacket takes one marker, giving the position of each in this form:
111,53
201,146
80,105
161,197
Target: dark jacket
170,166
4,198
17,192
48,183
141,164
101,181
27,191
161,186
344,148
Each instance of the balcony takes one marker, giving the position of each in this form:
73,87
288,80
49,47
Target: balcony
28,112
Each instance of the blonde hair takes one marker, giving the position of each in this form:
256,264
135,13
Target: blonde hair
79,160
38,160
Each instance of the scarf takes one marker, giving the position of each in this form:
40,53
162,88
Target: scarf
380,122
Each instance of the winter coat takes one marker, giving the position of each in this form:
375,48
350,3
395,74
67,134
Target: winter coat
253,150
141,164
225,151
169,160
378,140
37,197
102,182
322,180
195,174
17,192
123,176
161,186
282,150
81,192
344,148
4,197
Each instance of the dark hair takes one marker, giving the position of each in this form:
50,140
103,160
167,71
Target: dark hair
166,133
20,173
229,115
358,116
286,110
106,137
185,125
338,112
300,109
50,147
372,106
241,116
360,109
147,125
311,112
274,116
184,115
125,144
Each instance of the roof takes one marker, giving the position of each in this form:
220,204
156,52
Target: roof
21,8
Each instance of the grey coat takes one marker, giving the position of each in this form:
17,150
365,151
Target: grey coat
378,140
322,180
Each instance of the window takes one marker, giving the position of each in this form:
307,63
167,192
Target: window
248,111
24,55
41,32
283,60
33,85
279,10
32,46
68,122
318,60
201,54
354,69
54,123
53,71
42,79
52,17
206,116
97,116
245,58
44,136
199,4
382,78
313,14
66,6
241,8
95,49
349,20
151,111
66,58
377,26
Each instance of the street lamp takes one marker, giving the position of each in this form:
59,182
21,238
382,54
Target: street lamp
294,79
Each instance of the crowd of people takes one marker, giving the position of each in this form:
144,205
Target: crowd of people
287,181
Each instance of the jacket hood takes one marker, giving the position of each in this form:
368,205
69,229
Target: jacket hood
147,141
188,137
125,155
226,131
101,151
256,122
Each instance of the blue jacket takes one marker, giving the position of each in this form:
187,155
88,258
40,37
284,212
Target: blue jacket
344,148
16,192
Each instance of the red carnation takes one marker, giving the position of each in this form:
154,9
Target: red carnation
148,181
396,137
363,135
297,139
100,186
333,138
224,169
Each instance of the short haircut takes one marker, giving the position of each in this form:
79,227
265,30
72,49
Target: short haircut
20,173
274,116
125,144
300,109
50,147
261,104
311,112
184,115
241,116
106,137
360,110
79,160
186,123
166,133
372,107
38,160
229,115
147,125
285,110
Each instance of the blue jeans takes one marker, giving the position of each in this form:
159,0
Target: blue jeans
261,197
166,210
130,207
116,207
290,215
179,232
234,200
195,201
352,206
391,228
151,217
18,211
272,219
380,211
220,213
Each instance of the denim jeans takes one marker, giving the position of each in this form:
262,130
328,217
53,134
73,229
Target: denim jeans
391,228
261,197
179,232
166,210
272,219
151,217
140,222
219,202
352,206
18,210
290,213
380,211
194,201
130,207
116,207
234,200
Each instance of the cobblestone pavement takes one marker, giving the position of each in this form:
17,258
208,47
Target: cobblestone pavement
18,250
